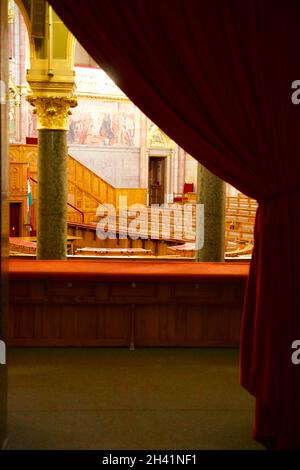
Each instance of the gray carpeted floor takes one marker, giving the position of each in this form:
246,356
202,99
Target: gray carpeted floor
120,399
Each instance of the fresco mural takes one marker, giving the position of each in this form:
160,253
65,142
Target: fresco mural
109,120
96,121
99,122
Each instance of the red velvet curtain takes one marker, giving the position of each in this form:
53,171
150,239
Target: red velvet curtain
216,76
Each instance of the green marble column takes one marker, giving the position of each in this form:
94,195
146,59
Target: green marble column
4,222
211,193
52,194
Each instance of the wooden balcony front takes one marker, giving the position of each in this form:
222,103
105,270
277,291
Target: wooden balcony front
125,303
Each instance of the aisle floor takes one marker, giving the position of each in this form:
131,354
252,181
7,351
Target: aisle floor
120,399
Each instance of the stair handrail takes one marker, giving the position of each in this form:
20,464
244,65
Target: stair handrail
68,203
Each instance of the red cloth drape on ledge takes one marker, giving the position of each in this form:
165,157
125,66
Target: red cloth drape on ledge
216,77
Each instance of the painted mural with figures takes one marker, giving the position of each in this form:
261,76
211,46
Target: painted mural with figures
104,115
96,121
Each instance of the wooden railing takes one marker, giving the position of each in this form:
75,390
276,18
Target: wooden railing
68,204
77,210
86,190
96,188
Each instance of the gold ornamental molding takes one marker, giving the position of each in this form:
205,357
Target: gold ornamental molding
102,97
156,138
11,11
52,112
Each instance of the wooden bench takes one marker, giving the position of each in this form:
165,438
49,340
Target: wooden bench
113,251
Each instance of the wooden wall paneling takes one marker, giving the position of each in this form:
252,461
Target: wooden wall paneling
18,173
149,325
212,325
78,313
135,292
134,195
79,175
95,186
71,167
87,321
102,192
199,292
117,324
161,325
51,321
176,325
73,291
68,323
23,320
24,154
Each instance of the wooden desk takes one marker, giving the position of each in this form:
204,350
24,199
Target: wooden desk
113,251
71,239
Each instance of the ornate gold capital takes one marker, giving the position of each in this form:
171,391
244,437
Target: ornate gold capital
52,112
11,11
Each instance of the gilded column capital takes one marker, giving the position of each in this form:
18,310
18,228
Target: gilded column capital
11,11
52,112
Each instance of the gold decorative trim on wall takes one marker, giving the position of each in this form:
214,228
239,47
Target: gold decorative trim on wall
156,138
102,97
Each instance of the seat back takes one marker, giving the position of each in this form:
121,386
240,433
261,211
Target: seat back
188,188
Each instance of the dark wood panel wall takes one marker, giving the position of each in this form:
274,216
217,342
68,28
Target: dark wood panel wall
78,313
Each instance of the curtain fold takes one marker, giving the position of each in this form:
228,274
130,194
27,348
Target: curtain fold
216,77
